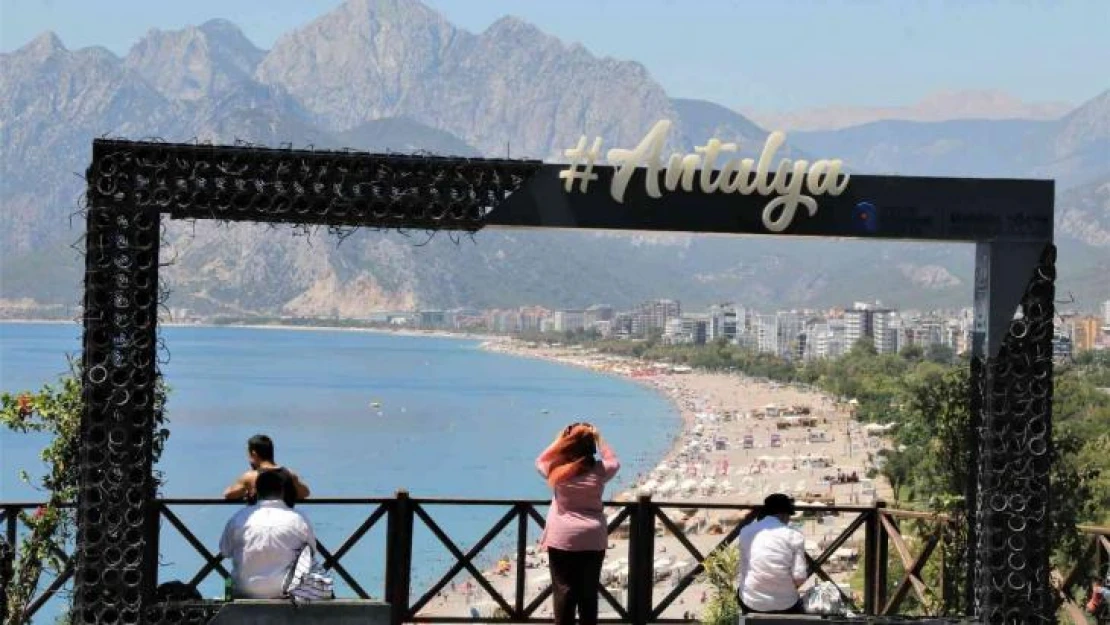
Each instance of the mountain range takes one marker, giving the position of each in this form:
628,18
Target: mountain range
394,75
940,106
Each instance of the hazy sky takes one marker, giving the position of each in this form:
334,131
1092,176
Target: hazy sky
768,54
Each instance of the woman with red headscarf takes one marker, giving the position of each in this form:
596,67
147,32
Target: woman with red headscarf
575,535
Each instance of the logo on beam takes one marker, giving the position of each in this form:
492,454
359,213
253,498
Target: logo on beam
791,186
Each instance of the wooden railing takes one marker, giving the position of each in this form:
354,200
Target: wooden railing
908,591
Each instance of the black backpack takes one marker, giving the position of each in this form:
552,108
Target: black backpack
176,591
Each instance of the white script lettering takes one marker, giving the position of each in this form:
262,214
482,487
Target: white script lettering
793,183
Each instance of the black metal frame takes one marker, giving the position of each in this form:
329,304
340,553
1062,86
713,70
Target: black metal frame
132,184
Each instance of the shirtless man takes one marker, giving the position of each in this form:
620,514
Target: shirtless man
260,455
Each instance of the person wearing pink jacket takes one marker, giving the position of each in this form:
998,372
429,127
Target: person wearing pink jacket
575,535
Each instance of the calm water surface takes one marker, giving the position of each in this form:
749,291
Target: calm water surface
453,421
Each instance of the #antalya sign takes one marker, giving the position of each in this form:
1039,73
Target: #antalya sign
792,185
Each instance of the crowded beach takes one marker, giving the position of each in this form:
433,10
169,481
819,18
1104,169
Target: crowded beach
741,439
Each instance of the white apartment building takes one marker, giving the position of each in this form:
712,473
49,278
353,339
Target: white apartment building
653,315
885,326
569,320
857,325
721,323
767,333
791,326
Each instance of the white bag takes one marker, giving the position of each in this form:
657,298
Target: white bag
824,598
306,581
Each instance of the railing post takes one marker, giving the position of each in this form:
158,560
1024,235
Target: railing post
870,560
11,517
398,557
521,556
882,559
641,558
152,531
7,558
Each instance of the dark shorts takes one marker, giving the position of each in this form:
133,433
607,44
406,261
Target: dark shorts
794,609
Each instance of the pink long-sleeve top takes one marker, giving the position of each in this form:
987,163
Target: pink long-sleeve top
576,520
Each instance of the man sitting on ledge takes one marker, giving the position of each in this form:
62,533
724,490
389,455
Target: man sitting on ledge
772,560
264,540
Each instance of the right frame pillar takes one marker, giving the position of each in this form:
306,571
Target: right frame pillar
1009,536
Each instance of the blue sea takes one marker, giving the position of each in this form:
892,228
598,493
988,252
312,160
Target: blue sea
452,421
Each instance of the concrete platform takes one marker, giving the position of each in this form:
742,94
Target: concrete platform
283,612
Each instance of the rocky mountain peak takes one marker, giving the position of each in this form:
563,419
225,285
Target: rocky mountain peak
360,61
513,27
196,61
227,30
1091,120
41,47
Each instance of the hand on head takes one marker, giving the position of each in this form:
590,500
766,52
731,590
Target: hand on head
578,426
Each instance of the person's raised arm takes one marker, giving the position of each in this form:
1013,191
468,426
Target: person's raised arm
609,461
241,487
543,461
302,488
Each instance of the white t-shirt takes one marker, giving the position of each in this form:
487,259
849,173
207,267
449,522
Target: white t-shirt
772,559
263,542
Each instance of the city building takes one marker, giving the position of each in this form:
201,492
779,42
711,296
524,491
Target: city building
857,325
722,323
885,326
766,332
569,320
653,315
598,313
687,329
860,322
1061,347
505,321
531,318
1084,332
673,333
789,330
432,319
621,325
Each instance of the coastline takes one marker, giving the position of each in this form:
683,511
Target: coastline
410,332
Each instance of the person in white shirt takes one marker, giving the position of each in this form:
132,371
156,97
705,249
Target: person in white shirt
772,560
264,540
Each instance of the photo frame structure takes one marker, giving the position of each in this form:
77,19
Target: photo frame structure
134,186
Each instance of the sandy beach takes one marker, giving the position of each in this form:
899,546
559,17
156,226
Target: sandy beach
740,440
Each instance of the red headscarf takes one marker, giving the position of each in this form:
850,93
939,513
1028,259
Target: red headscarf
573,454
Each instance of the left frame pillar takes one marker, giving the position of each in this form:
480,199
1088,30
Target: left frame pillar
116,563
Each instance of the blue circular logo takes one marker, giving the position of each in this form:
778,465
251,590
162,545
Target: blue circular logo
867,216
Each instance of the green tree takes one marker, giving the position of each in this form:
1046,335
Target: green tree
721,568
940,354
912,353
54,410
